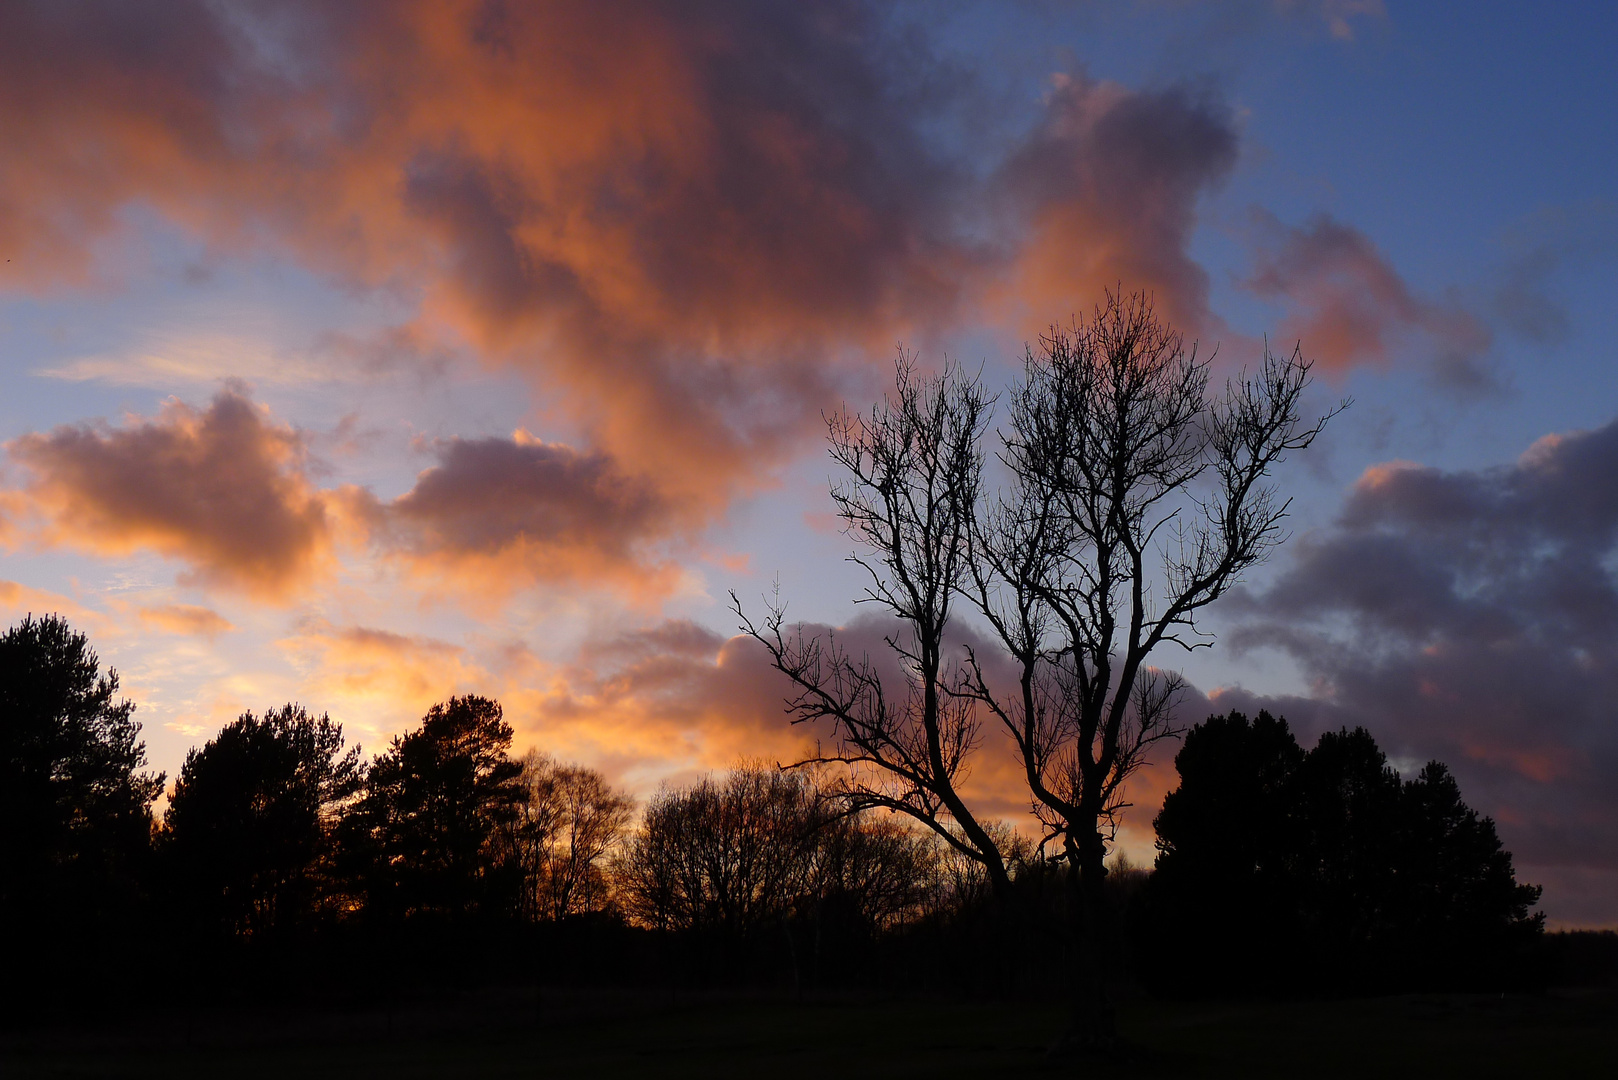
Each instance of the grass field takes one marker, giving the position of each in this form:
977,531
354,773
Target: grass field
574,1034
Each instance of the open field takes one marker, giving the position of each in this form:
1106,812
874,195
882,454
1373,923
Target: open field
567,1034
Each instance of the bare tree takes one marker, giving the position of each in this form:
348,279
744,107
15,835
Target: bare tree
569,822
915,468
594,819
874,866
1137,498
726,856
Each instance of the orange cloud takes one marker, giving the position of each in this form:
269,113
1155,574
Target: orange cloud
673,696
637,200
1350,307
186,619
225,489
221,488
377,679
17,600
690,224
1109,188
672,699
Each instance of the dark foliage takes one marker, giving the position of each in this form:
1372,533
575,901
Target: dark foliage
423,842
75,812
1586,958
1227,826
447,865
723,856
1280,869
766,876
246,843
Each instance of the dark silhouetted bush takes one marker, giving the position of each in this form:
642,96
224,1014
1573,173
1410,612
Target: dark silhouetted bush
424,840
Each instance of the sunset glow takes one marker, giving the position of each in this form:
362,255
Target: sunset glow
364,354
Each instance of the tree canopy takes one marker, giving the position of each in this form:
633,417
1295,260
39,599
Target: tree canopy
1278,866
75,799
246,839
422,840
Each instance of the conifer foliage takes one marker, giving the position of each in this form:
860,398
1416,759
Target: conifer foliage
1280,867
246,844
75,805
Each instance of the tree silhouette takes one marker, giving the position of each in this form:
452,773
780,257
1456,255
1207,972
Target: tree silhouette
1278,867
1346,808
721,856
1457,878
567,822
1229,815
869,873
246,842
75,803
424,839
1137,499
1224,901
914,471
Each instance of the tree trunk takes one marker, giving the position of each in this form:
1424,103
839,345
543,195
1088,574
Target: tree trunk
1093,1028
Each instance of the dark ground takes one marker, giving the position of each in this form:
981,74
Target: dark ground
637,1034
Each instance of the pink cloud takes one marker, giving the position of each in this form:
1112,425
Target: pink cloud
222,489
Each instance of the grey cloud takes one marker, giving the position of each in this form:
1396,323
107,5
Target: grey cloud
1472,616
1349,306
1546,245
544,510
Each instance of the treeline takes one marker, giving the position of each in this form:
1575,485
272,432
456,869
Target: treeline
1324,870
286,863
281,851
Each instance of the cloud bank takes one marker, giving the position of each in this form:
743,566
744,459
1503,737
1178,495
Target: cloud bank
690,225
1472,616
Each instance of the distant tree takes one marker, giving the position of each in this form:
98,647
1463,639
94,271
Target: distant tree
870,872
1457,880
247,838
1229,815
725,857
568,821
1345,803
424,839
75,800
1278,867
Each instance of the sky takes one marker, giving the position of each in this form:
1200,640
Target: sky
362,354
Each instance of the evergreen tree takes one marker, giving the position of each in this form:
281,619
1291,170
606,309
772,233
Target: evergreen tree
246,839
425,839
1324,869
75,807
1223,900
